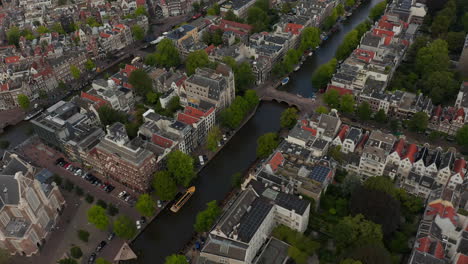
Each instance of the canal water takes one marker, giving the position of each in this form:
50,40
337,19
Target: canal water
301,81
169,232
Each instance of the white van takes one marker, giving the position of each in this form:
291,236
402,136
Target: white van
202,162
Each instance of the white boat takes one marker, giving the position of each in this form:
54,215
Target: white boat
32,115
311,53
297,67
285,81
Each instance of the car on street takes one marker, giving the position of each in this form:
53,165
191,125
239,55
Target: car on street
101,245
121,194
92,258
224,137
159,204
138,224
111,236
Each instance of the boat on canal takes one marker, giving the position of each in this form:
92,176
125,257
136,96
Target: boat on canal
33,114
285,81
176,207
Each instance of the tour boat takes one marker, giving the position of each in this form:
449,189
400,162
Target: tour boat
176,207
285,81
32,115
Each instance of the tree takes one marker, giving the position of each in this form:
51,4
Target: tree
350,42
176,259
112,210
13,36
205,219
350,261
323,74
377,206
350,3
433,57
380,116
347,103
196,59
335,153
138,32
75,72
57,27
444,19
4,256
165,186
140,11
377,10
243,76
399,243
418,122
4,144
76,252
196,7
355,230
102,261
83,235
23,101
322,110
266,144
145,205
371,253
97,216
455,41
237,180
289,118
381,183
332,98
299,256
89,198
67,261
364,112
141,82
101,203
258,19
92,22
213,138
90,65
180,165
124,227
462,136
441,86
229,15
310,38
350,183
166,54
42,29
109,116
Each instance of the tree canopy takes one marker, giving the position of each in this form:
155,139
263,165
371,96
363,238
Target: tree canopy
98,217
364,112
310,38
353,231
233,116
75,72
164,185
350,42
180,165
266,144
206,218
141,82
462,136
124,227
377,10
347,103
176,259
433,57
196,59
145,205
108,116
288,118
332,98
244,77
102,261
90,65
323,74
166,55
419,122
138,32
23,101
213,138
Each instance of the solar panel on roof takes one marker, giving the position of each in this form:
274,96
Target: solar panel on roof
319,173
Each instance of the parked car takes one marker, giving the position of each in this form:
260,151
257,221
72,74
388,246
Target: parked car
159,204
111,236
92,258
101,245
138,224
202,162
121,194
224,137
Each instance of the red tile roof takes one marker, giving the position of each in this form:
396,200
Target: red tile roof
12,59
460,113
128,69
443,209
293,28
187,119
341,90
462,259
363,141
5,87
276,161
342,132
240,26
365,55
399,146
425,246
104,35
140,3
459,165
311,130
210,48
99,101
411,152
438,111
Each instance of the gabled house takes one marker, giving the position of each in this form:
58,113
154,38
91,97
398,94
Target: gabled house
351,140
339,139
445,167
460,174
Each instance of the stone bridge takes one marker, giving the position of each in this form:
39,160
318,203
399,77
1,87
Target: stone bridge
268,92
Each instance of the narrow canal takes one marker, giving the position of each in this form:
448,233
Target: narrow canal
300,81
169,232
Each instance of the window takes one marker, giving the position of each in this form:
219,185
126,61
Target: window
32,198
16,212
33,236
43,218
4,218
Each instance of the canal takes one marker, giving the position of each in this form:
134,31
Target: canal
169,232
300,81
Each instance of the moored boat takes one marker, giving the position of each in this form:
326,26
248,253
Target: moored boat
176,206
285,81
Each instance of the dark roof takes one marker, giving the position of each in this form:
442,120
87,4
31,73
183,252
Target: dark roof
292,202
319,173
370,39
354,134
251,221
9,190
275,252
424,258
447,160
